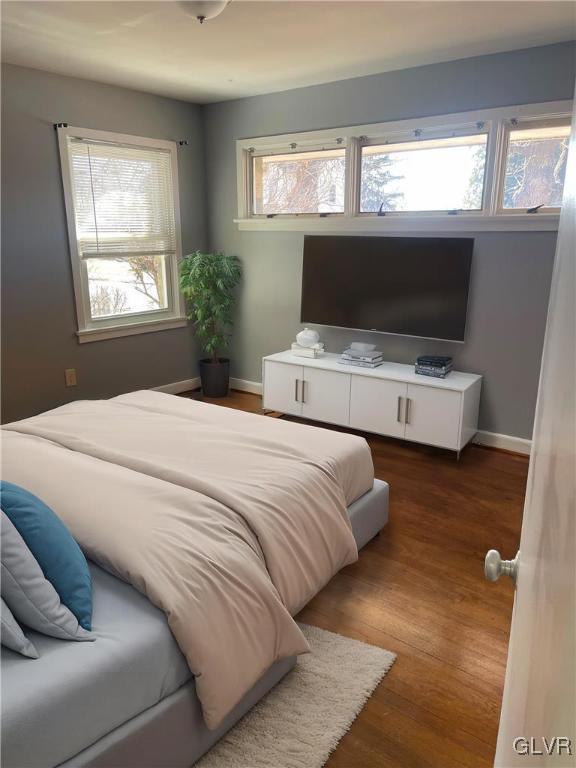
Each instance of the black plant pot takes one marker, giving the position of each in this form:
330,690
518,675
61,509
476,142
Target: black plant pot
215,377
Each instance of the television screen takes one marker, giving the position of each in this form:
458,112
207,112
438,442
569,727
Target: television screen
414,286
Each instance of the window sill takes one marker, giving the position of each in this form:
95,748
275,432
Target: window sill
129,329
514,222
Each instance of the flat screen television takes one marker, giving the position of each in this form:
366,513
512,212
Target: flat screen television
412,286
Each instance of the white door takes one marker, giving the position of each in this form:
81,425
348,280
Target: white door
282,387
377,405
326,396
433,416
539,695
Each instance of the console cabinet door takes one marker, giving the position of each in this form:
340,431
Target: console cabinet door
433,416
326,396
377,405
283,387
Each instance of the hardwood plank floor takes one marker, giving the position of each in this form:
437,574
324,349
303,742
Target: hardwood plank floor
418,590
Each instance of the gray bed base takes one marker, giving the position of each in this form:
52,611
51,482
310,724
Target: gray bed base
172,733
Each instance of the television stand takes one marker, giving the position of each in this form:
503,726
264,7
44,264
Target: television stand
389,400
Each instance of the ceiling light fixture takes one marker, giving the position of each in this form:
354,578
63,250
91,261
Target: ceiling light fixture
206,9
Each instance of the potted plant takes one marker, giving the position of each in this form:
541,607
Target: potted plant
207,281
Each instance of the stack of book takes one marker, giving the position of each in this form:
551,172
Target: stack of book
433,365
364,359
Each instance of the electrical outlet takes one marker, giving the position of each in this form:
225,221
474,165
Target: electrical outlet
70,377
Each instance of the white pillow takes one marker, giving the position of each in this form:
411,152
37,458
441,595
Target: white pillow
12,636
29,595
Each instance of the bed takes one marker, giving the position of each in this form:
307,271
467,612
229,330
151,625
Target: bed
130,698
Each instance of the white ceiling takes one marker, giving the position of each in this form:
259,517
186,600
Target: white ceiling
265,46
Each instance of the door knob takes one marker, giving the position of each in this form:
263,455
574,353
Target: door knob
494,566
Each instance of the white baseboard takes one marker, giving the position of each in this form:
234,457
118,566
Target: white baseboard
255,387
176,387
507,442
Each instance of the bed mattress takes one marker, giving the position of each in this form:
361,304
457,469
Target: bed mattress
75,693
127,699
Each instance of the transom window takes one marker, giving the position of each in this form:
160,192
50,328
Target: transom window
535,165
428,175
492,169
121,199
299,182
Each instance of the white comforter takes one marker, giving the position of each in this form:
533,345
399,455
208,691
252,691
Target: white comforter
228,522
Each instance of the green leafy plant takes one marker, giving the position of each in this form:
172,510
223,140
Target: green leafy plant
207,281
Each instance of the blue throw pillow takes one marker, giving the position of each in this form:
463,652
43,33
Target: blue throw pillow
56,551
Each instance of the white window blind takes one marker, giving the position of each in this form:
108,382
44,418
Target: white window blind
123,200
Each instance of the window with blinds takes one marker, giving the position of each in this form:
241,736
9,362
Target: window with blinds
121,204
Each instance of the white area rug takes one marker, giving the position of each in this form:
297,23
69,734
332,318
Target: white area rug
300,722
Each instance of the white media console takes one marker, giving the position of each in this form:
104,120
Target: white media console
389,400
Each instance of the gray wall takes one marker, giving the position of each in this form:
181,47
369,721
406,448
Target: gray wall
511,270
511,273
38,312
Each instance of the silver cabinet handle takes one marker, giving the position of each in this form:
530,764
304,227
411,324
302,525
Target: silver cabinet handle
296,383
408,409
399,410
304,391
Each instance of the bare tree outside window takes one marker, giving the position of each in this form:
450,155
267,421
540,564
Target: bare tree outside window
149,278
535,167
303,182
473,196
106,300
127,285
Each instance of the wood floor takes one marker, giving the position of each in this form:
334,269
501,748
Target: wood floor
418,590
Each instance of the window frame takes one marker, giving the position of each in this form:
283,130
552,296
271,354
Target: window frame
508,127
128,324
490,218
302,148
405,137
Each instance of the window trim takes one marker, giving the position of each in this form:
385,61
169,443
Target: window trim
490,218
174,316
